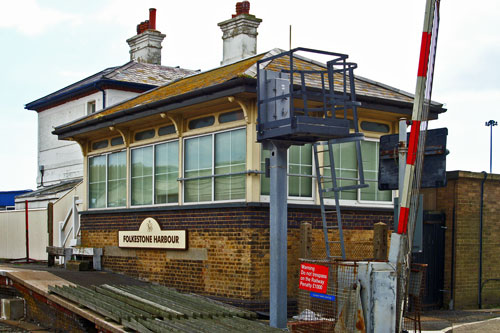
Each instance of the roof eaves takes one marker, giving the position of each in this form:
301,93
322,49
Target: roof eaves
399,91
89,87
94,77
192,97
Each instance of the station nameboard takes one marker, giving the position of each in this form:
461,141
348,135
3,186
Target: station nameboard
150,235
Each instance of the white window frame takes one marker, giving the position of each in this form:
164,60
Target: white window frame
363,203
212,134
106,182
294,199
153,193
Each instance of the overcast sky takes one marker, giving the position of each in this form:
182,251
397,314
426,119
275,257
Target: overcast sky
47,45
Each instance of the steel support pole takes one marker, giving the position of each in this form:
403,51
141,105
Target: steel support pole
402,149
491,148
278,236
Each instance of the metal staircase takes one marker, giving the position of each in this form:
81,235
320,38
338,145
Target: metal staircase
329,183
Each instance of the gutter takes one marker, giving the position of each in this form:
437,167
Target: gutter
44,103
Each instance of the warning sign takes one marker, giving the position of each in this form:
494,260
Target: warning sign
313,278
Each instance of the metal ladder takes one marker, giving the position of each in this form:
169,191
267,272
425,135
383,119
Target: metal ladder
327,148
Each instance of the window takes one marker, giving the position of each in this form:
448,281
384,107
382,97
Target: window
154,174
166,172
117,179
144,135
90,107
374,127
107,180
100,144
299,163
201,122
142,176
166,130
117,141
221,153
231,116
346,171
97,182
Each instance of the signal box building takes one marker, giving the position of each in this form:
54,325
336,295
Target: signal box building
174,185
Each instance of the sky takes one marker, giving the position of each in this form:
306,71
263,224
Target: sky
47,45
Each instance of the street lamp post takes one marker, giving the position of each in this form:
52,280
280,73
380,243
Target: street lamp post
491,123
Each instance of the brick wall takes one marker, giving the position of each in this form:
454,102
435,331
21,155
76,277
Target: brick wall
51,315
235,239
460,201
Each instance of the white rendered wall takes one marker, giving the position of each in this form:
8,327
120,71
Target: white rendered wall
62,160
13,234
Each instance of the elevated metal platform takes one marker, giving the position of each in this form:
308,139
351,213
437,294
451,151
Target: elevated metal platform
301,100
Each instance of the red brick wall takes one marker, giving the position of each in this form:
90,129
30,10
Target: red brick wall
51,315
236,240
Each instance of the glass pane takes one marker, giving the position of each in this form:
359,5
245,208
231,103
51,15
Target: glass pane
117,179
117,141
231,116
300,163
264,182
374,127
198,162
166,172
97,182
230,157
166,130
142,176
369,150
147,134
201,122
100,144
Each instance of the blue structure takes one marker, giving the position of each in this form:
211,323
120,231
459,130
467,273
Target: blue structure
7,198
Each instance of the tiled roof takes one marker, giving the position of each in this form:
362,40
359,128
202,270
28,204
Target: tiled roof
245,68
149,75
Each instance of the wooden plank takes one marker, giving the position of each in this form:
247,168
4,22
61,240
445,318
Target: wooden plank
87,304
138,304
135,325
176,305
134,297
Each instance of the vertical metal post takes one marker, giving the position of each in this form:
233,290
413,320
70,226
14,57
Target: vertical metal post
402,149
27,235
278,236
491,147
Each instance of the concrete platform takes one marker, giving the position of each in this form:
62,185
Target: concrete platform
38,280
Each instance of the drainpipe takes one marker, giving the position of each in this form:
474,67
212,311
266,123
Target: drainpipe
98,87
452,278
481,240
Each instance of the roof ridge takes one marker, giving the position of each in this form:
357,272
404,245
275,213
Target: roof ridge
118,68
252,70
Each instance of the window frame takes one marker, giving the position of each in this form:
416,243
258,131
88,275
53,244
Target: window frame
212,178
363,203
153,191
106,154
293,199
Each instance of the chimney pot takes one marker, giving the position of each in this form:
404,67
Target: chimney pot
152,18
146,45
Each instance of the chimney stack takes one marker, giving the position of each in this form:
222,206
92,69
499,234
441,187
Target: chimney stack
239,34
146,45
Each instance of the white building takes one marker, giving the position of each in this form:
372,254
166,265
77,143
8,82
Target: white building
60,163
